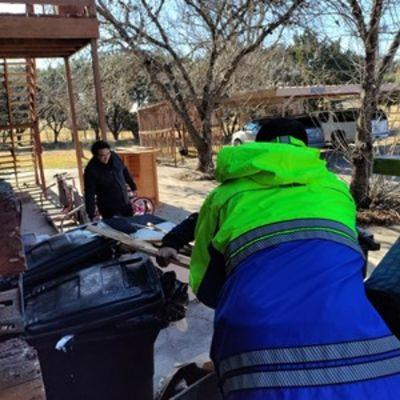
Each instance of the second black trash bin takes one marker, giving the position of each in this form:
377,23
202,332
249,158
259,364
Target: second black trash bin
111,310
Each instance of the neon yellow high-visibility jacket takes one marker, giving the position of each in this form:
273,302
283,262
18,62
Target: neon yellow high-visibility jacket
270,193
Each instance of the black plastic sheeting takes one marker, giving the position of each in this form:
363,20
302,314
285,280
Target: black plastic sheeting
105,293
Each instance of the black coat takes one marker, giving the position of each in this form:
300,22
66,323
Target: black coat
106,183
182,233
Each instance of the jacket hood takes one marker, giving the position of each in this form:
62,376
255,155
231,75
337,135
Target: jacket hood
272,164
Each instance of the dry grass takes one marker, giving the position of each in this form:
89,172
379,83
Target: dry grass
60,159
66,158
378,217
88,136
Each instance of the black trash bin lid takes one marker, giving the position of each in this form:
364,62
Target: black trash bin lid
100,295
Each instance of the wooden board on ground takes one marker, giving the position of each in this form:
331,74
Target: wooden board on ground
20,376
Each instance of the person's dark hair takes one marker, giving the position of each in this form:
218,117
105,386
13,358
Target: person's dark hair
276,127
100,144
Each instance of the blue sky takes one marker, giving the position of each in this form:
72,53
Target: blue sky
335,32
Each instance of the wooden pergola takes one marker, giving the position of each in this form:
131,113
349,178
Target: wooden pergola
160,126
46,29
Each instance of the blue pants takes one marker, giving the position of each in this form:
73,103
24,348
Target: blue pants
293,323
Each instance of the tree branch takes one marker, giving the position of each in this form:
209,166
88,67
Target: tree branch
359,18
282,20
389,57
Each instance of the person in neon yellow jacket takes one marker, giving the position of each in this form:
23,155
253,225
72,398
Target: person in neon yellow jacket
276,254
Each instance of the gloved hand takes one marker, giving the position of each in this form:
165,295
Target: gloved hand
165,255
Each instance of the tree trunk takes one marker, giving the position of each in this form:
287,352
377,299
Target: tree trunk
205,163
204,150
363,153
115,134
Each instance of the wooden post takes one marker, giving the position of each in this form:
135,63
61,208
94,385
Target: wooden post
97,88
74,129
38,149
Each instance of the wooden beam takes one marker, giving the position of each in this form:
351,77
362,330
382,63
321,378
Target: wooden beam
134,244
41,27
33,54
81,3
74,130
41,42
27,49
10,47
97,88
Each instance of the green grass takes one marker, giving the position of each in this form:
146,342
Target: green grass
62,155
85,137
59,159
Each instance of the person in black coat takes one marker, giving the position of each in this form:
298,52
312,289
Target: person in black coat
106,178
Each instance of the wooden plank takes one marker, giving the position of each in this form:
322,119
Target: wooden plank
36,43
82,3
387,165
20,376
37,54
70,47
37,49
134,244
23,27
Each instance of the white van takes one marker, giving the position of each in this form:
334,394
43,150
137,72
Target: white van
341,125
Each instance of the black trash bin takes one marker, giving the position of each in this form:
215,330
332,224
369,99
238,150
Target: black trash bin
110,363
76,249
111,310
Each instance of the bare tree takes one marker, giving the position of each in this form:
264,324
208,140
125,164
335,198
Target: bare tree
374,26
52,100
174,38
124,83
